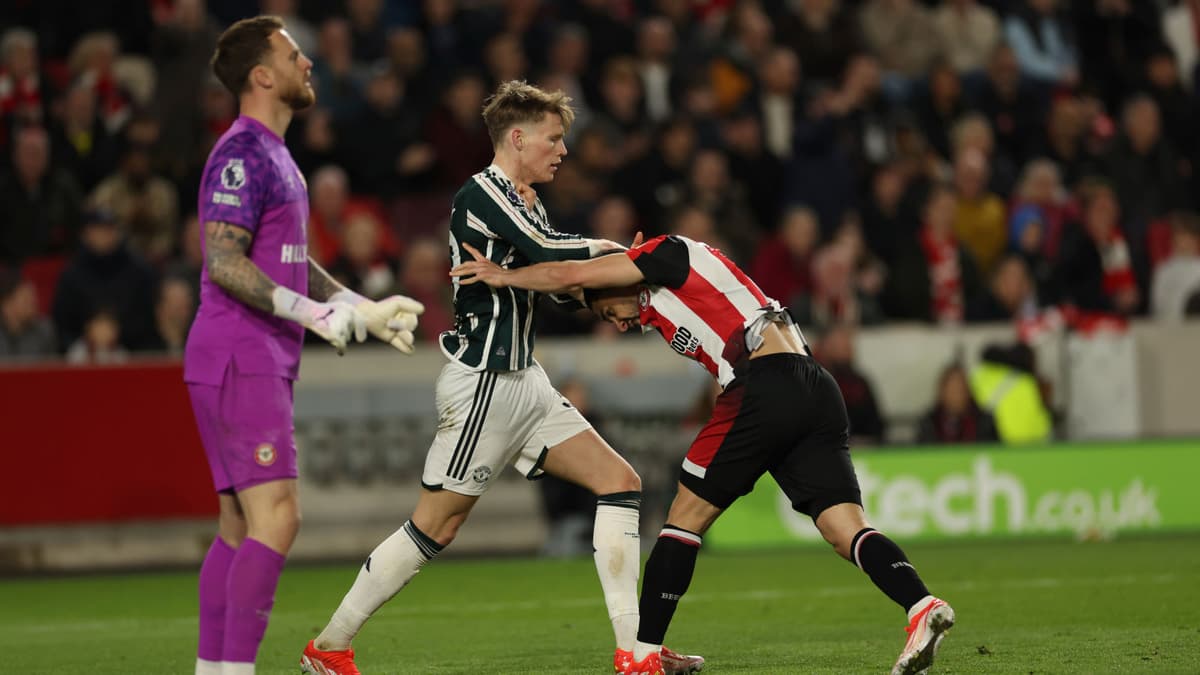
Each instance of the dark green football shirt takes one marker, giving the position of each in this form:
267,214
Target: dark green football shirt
493,327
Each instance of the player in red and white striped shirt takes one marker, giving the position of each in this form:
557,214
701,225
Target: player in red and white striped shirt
779,411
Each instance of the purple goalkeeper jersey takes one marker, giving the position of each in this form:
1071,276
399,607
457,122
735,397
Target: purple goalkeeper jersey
251,180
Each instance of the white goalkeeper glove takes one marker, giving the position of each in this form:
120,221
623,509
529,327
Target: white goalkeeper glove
391,319
336,322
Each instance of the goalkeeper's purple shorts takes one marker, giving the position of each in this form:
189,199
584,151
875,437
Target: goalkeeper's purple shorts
246,427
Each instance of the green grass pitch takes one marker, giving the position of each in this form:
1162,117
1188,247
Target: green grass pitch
1127,606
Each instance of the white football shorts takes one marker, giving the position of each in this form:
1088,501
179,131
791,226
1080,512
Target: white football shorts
489,419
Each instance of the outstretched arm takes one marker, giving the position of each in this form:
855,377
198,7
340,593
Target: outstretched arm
609,271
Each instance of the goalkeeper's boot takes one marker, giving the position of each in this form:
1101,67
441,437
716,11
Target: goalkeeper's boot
625,665
318,662
680,664
931,618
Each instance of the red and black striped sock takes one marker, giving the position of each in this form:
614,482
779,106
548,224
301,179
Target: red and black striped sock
888,567
667,576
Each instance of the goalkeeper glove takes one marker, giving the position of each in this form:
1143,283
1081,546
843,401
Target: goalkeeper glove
336,322
391,319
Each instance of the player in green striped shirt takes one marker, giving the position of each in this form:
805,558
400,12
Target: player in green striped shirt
495,404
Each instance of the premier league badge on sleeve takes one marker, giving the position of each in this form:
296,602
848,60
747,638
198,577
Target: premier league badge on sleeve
233,176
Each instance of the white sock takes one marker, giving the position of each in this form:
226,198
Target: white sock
236,668
388,569
618,560
641,650
208,667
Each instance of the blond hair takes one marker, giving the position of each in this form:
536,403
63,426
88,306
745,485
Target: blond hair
517,102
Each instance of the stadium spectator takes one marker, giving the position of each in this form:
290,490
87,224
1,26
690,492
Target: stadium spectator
1010,296
974,131
145,204
613,219
180,47
368,32
840,137
1115,37
1041,190
1178,277
335,73
1027,238
23,88
408,54
657,65
782,263
755,168
456,139
824,34
100,342
711,187
622,105
836,351
105,277
933,278
779,100
955,417
566,66
1065,140
655,183
362,265
504,59
91,62
23,332
979,217
888,218
939,104
80,143
903,35
968,32
41,203
1042,42
1175,104
1146,173
331,207
835,297
1096,269
1013,106
423,278
1178,23
747,42
384,141
174,309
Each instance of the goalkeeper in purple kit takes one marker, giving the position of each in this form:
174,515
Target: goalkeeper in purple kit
259,291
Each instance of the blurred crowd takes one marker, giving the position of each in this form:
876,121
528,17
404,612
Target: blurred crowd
885,160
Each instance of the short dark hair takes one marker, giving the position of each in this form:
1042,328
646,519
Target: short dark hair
240,48
517,102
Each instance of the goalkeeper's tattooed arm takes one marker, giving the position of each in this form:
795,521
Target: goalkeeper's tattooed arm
321,286
228,267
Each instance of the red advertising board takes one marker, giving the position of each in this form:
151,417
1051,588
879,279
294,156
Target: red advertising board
100,444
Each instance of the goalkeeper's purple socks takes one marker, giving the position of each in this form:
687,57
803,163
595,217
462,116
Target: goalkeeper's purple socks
213,575
250,595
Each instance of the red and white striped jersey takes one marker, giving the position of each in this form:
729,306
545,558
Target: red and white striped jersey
699,301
